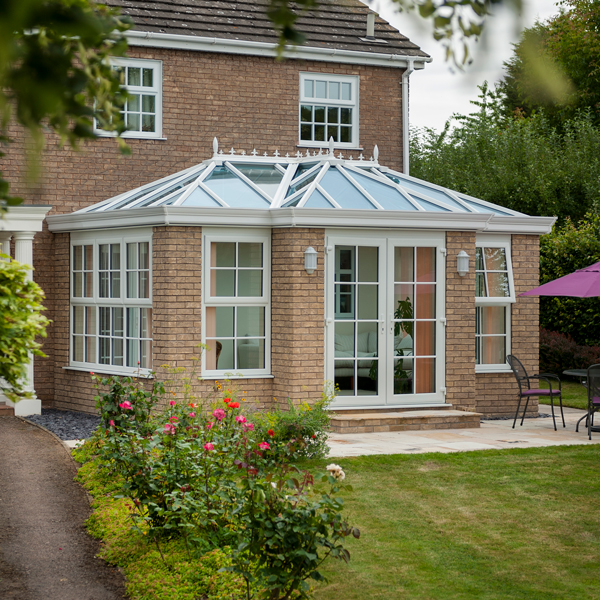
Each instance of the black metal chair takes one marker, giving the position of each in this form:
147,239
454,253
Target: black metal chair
593,387
526,391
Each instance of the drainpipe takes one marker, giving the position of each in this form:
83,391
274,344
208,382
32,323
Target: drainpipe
407,73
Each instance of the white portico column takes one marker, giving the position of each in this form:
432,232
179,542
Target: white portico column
24,254
5,242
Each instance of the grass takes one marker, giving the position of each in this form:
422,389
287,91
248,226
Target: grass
511,524
574,395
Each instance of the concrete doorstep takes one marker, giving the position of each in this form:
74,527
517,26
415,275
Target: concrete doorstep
491,435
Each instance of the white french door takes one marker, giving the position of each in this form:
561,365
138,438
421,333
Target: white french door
385,319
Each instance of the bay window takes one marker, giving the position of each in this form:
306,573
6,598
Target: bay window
111,304
494,291
236,316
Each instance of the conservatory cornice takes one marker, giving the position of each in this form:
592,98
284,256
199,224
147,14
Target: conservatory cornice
298,217
151,39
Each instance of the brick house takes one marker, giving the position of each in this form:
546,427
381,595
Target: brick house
208,232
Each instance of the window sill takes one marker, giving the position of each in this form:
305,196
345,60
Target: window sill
109,134
325,148
104,370
229,377
482,369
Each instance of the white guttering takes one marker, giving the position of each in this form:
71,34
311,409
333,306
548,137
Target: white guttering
405,147
303,217
227,46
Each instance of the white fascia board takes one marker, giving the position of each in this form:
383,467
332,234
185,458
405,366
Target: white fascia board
25,217
520,224
150,39
299,217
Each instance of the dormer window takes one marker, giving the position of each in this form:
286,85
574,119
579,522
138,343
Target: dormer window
328,109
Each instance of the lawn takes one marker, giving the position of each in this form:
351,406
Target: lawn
514,524
573,395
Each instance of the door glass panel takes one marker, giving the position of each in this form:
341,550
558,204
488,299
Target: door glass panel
403,376
344,340
344,301
424,375
426,264
367,264
425,338
403,264
425,301
367,302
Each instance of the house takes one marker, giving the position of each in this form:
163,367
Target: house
244,171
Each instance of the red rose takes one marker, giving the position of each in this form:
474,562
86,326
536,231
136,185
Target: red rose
234,405
271,432
227,400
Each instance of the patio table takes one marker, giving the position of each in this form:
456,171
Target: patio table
582,374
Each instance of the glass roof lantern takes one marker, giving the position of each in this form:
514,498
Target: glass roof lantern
312,180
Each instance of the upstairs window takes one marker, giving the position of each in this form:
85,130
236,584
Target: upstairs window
142,112
494,291
328,109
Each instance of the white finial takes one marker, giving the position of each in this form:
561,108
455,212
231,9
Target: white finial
243,153
376,152
331,145
320,151
254,152
299,154
215,146
276,153
221,152
287,154
370,158
314,152
361,157
341,155
232,152
350,157
266,153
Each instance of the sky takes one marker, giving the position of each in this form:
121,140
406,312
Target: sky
440,89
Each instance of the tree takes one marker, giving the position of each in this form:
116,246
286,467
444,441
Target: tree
563,53
54,71
522,163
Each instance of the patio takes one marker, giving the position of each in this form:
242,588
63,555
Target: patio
492,435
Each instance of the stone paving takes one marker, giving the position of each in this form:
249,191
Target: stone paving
492,435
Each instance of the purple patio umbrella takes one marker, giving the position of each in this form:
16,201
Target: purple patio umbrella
583,283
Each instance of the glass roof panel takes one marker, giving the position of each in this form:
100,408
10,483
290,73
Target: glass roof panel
293,202
317,200
342,191
425,189
130,198
172,200
302,184
156,197
484,208
429,206
233,191
303,168
200,198
388,197
266,177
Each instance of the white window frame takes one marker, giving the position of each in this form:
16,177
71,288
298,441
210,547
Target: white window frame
96,239
156,90
263,236
498,241
354,104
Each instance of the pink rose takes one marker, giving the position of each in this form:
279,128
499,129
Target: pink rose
111,423
264,445
240,419
169,429
192,415
219,414
173,419
209,425
248,426
172,402
209,446
126,405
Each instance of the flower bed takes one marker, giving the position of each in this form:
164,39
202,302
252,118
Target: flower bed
204,484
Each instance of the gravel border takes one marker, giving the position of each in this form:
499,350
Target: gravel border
539,416
66,424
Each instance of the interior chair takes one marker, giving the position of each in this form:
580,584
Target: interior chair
526,391
593,387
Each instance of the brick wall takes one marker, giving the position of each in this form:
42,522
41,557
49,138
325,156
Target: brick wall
460,324
497,394
298,327
247,102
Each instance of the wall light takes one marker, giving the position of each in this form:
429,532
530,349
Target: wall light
462,263
310,260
